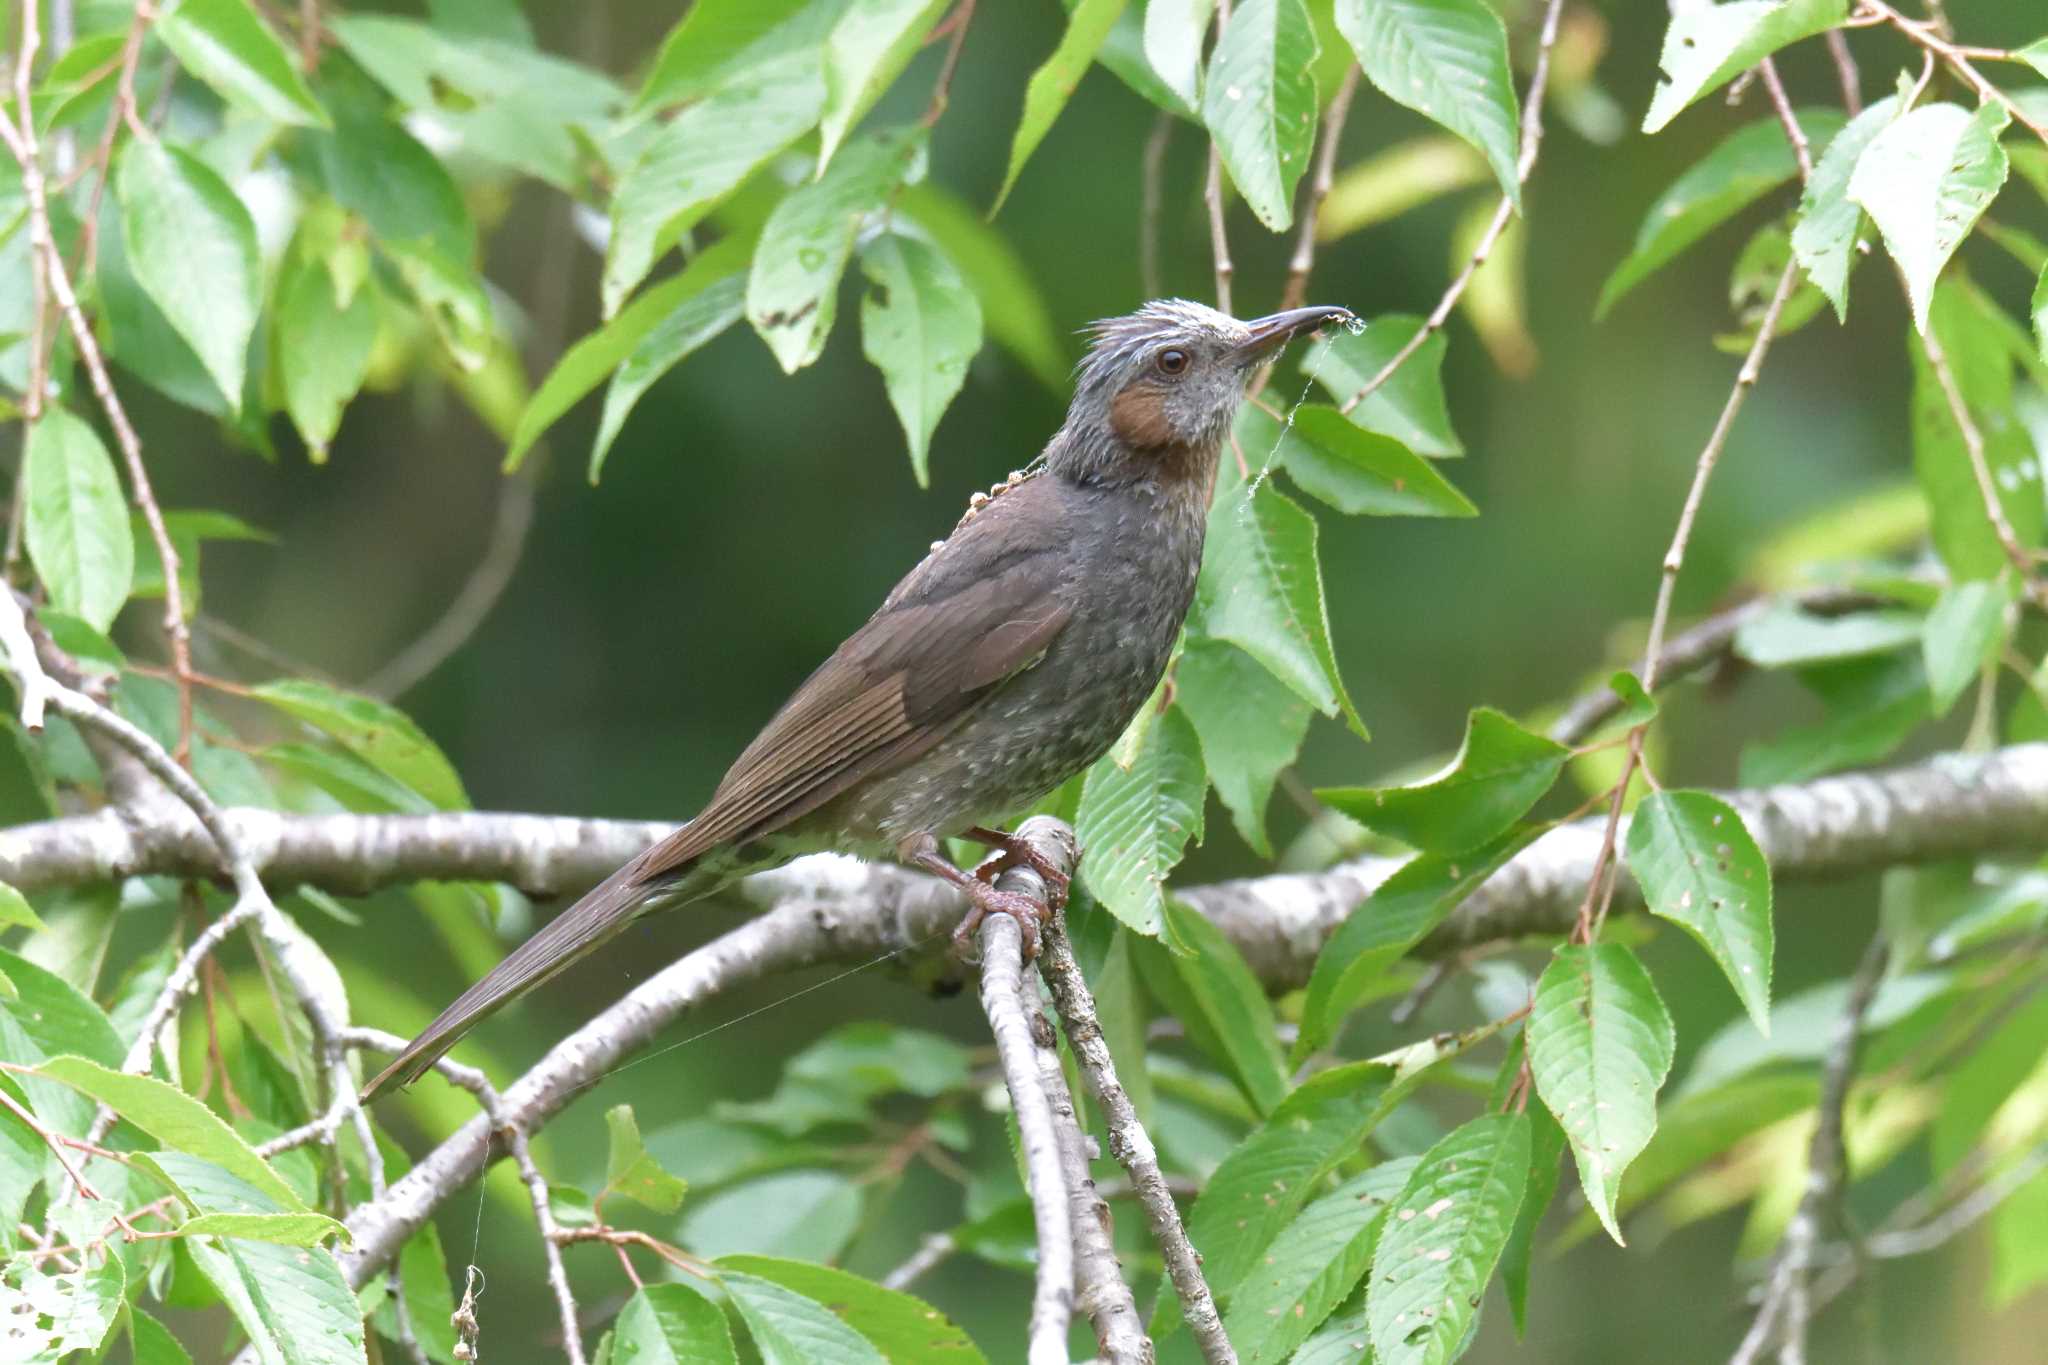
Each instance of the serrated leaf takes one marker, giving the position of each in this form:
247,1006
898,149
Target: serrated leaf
629,340
1315,1264
703,316
1500,772
1204,982
1135,823
226,44
1600,1044
292,1302
151,1342
793,288
811,1214
1250,727
376,732
76,526
322,349
47,1016
54,1311
1173,34
1259,103
1742,168
1447,60
789,1329
905,1329
720,42
1707,45
1546,1151
1443,1236
175,1119
671,1324
1261,589
1963,635
1012,306
701,156
1358,472
1410,406
375,168
920,325
192,246
631,1172
1052,84
285,1229
1925,179
1700,868
1399,914
868,48
1824,239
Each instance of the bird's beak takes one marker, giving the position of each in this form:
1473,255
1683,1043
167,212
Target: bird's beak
1269,334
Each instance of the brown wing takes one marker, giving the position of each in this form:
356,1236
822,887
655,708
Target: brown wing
979,610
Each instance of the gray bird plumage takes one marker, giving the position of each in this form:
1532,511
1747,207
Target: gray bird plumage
1009,659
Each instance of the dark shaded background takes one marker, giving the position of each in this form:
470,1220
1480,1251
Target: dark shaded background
747,521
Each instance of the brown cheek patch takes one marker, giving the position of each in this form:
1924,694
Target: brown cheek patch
1138,417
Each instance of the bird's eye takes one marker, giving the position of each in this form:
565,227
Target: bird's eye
1172,361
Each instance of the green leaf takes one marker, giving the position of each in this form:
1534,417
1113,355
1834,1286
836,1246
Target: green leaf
1873,705
1447,60
227,45
803,1213
192,247
1400,913
870,1058
2019,1252
376,169
285,1229
1443,1237
76,526
1925,179
52,1313
379,734
1358,472
1979,1084
151,1342
671,1324
631,1172
1136,822
793,289
629,341
867,50
1824,239
1964,633
1546,1150
1787,636
1500,772
723,42
907,1330
292,1302
1700,868
1052,84
703,316
1707,45
1600,1044
1314,1265
1259,103
1261,589
1410,406
47,1016
790,1329
15,910
175,1119
322,348
1012,307
1743,168
1210,989
1173,34
1250,727
1638,707
2038,307
701,156
920,325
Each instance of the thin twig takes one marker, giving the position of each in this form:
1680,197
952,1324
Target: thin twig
1219,236
122,115
1980,466
1794,134
53,1141
1130,1144
1930,36
932,1252
1525,164
1960,1216
1151,202
1846,74
1303,262
942,88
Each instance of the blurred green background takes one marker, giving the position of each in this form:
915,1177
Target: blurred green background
747,521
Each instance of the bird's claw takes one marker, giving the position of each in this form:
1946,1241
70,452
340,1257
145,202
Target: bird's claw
984,900
1022,854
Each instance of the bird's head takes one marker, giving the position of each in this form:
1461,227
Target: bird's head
1159,388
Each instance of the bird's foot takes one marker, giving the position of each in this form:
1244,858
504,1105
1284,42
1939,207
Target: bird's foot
1014,852
984,900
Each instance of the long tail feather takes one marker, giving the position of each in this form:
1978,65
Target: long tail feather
571,935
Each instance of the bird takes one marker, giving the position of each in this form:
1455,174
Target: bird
1009,659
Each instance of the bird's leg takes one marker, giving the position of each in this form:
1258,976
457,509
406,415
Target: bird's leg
1014,852
983,899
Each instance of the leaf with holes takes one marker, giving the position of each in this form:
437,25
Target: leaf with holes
1700,869
1136,822
1743,168
1259,103
1925,180
1824,239
1500,772
1447,60
1708,45
1600,1044
76,523
919,325
1052,84
1442,1238
1314,1265
1410,406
